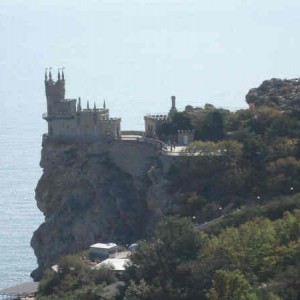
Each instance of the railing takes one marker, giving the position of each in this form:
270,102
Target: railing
133,132
140,139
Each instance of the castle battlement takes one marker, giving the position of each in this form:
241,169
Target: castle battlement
157,117
152,121
68,121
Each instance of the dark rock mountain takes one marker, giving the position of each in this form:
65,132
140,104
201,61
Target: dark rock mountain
280,93
98,192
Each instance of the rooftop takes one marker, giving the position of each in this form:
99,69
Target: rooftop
117,264
104,246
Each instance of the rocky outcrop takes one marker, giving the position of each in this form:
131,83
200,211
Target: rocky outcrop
100,192
279,93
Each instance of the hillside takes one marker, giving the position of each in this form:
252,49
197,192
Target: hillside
220,225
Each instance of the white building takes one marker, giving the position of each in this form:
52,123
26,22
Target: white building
115,264
103,250
68,121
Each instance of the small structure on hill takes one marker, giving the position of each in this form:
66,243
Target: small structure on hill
132,248
152,121
103,250
185,137
115,264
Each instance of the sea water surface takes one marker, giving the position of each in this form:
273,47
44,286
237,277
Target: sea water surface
20,145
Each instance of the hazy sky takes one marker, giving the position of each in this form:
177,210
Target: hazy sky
136,54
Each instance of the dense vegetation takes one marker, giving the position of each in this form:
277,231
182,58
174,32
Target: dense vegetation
260,259
252,157
75,279
233,228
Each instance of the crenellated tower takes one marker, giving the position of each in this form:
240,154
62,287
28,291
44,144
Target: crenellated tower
55,92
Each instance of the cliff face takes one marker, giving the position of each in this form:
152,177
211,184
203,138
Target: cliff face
90,193
280,93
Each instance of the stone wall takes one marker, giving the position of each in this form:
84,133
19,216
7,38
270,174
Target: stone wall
152,122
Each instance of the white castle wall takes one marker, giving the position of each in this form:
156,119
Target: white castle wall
65,122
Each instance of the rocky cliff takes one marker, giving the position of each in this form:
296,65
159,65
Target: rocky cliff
279,93
100,192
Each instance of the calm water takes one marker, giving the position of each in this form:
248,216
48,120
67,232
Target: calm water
20,145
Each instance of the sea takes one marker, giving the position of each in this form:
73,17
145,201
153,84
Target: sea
21,129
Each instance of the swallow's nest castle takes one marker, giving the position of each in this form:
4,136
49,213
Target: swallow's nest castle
69,122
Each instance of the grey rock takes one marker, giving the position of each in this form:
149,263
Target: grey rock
279,93
98,192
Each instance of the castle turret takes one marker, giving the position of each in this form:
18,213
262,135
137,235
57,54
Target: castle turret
79,108
173,109
55,92
173,98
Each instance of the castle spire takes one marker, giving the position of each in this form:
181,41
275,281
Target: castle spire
173,109
173,98
50,74
62,74
88,105
46,77
58,75
104,105
79,104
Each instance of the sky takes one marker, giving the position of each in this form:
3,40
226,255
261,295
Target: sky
137,53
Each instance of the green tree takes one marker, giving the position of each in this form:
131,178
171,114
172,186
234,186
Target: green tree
283,174
73,279
140,291
200,147
212,127
168,130
164,261
249,248
230,285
